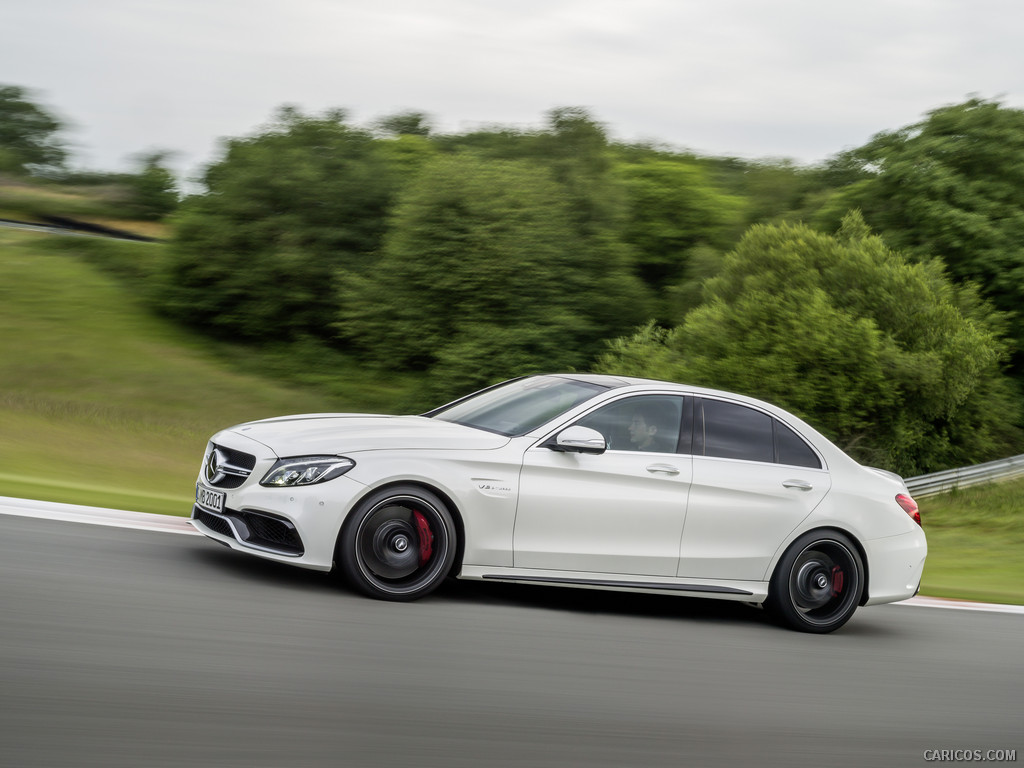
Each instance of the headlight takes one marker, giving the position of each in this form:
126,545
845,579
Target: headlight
306,470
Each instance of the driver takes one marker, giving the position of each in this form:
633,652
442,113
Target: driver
643,428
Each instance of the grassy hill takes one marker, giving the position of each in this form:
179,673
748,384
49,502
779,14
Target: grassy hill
103,403
97,204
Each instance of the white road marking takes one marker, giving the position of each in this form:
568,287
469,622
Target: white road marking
922,601
119,518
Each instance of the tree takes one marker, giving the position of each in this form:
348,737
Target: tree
887,357
951,186
673,208
153,190
405,124
255,256
28,134
774,190
482,275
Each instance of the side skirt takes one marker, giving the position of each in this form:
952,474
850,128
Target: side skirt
742,591
628,585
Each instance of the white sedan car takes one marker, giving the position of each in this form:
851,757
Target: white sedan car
572,480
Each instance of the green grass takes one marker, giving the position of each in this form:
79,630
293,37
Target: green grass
976,543
96,393
33,200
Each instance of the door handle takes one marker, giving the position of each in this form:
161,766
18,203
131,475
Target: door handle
664,469
800,485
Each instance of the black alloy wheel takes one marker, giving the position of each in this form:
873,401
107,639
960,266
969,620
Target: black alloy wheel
818,583
398,544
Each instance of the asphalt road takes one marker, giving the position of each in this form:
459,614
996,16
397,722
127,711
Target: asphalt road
136,648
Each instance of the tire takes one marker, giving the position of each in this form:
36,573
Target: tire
398,544
818,583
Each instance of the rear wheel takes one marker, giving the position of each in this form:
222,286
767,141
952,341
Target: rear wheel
398,544
818,582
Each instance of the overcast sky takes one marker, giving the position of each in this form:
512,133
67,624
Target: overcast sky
752,78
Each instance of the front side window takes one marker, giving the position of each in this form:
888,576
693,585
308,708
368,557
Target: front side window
648,423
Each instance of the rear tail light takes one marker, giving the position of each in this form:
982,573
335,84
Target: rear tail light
909,506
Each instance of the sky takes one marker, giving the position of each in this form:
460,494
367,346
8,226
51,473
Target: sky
744,78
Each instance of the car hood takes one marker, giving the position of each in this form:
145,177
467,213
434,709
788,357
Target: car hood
339,433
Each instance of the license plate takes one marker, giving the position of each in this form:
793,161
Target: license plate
212,500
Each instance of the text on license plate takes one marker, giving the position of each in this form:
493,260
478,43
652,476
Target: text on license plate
213,500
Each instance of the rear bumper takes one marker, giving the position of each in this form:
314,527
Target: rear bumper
895,566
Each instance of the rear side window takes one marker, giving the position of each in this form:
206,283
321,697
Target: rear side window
732,431
792,449
735,432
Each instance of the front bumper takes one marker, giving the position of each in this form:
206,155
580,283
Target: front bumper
256,530
298,526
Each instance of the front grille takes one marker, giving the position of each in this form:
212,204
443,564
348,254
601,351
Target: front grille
234,470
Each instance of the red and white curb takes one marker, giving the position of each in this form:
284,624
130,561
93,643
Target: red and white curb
144,521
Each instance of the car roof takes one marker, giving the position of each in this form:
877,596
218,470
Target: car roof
618,382
615,382
612,382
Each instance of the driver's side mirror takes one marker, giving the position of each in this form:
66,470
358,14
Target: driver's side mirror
578,440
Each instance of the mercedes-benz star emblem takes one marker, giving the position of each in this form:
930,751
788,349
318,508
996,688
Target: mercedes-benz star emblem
213,462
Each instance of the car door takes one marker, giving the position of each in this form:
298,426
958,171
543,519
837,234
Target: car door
620,512
754,481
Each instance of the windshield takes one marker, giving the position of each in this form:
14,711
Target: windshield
521,405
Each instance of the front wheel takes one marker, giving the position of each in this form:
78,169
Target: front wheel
398,544
818,582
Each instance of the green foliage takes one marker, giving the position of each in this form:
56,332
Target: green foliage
482,276
576,150
702,263
153,190
405,124
255,257
406,155
673,209
951,186
504,255
28,134
885,356
773,190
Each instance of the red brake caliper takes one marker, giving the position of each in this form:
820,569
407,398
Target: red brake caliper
426,537
837,580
